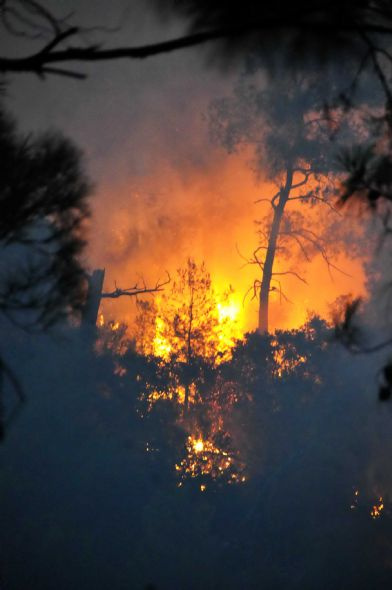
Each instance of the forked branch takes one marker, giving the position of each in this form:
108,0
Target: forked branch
136,289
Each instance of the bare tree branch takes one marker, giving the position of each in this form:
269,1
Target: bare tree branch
281,293
136,290
35,63
306,174
290,272
314,239
298,241
271,201
316,198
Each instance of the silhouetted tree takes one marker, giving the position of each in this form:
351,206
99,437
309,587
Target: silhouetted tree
43,194
43,191
289,136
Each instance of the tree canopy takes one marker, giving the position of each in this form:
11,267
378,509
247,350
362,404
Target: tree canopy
44,201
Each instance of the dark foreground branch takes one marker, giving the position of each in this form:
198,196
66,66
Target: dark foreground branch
40,63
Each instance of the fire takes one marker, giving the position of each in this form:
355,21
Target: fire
194,320
286,359
191,330
111,335
204,458
198,445
377,508
161,346
112,324
211,217
229,310
230,323
175,393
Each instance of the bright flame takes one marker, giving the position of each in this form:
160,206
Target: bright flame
229,310
161,345
229,328
231,324
198,446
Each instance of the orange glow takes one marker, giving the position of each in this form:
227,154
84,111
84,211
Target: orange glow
211,217
190,321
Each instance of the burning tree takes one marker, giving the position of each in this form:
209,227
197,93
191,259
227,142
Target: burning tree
190,331
189,322
190,326
285,127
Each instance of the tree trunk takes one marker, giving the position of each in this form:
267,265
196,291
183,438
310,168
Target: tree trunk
93,299
265,286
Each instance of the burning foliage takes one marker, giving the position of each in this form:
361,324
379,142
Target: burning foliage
112,335
205,461
189,334
192,321
192,361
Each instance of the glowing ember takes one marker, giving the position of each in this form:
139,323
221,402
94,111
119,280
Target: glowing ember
204,458
377,508
354,503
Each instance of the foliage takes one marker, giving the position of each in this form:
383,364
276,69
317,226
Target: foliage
184,324
104,466
43,192
280,121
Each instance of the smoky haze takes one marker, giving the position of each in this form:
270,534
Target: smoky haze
276,471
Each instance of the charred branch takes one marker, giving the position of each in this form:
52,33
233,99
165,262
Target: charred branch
136,290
